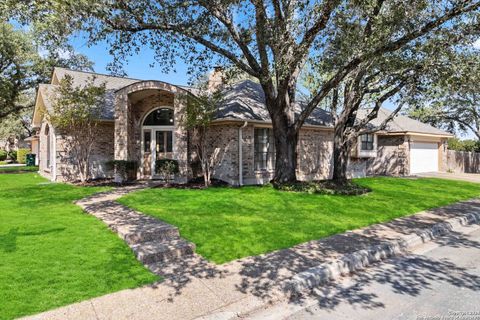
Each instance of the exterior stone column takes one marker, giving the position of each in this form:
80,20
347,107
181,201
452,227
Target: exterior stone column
406,156
121,127
180,137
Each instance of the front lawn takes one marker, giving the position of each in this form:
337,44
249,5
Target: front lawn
53,254
231,223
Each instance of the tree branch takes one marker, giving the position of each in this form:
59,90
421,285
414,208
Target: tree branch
386,48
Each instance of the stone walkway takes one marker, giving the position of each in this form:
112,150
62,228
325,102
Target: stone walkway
153,241
193,287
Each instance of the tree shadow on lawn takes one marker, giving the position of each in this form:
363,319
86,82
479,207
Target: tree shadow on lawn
8,241
262,275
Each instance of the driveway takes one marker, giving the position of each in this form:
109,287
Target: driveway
437,281
469,177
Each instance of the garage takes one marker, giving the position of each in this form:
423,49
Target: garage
423,157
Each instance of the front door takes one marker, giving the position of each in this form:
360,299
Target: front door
163,144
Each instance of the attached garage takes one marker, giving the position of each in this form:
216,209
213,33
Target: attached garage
423,157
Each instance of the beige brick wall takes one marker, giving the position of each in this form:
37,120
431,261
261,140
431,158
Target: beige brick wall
102,152
42,154
225,138
314,154
393,157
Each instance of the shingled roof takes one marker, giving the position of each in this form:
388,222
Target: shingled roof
401,123
243,101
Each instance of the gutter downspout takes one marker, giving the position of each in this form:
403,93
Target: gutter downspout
240,154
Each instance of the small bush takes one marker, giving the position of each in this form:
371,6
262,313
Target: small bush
126,169
3,155
22,155
12,155
324,187
167,168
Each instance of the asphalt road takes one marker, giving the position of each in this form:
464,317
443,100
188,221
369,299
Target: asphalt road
439,280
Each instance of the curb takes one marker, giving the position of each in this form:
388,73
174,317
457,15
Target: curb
359,260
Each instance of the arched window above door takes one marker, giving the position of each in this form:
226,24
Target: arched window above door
159,117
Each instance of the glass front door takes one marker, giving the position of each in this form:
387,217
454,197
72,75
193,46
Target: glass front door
163,144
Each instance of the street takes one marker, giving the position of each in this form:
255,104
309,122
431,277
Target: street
439,280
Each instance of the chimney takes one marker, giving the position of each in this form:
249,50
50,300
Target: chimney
216,79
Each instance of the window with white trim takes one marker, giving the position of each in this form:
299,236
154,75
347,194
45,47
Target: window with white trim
264,153
367,142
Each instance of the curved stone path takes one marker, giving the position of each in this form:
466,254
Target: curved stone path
152,240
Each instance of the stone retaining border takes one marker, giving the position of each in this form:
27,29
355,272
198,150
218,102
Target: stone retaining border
307,280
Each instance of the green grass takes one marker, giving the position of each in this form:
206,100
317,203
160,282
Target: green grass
231,223
18,169
53,254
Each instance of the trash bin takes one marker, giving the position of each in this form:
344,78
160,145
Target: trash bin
30,160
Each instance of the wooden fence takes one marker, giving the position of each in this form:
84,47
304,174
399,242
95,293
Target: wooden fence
463,162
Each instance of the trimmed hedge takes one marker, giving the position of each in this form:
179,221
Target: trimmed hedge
3,155
22,155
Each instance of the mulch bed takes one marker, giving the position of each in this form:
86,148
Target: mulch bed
331,187
197,183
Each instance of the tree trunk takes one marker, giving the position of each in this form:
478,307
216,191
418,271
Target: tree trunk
286,140
341,150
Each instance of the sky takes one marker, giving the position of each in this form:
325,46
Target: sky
138,66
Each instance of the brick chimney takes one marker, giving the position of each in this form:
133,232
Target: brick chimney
216,79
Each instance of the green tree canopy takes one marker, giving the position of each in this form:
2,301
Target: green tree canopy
453,99
270,40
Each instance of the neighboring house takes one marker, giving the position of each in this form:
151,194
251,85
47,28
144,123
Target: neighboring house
141,121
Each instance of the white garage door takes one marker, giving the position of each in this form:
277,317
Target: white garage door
423,157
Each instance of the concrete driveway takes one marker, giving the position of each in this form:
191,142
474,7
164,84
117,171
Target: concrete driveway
469,177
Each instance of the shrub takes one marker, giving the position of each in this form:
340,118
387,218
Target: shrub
22,155
12,155
3,155
167,168
126,170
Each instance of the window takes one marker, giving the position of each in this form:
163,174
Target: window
264,157
164,141
159,117
47,133
147,140
367,142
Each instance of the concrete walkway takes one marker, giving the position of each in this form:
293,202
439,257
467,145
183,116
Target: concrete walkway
195,288
469,177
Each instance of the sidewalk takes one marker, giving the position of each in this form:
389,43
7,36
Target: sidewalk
196,288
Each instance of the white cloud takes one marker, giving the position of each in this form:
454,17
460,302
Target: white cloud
476,44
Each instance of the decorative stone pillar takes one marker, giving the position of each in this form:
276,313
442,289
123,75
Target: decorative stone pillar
181,136
406,155
121,126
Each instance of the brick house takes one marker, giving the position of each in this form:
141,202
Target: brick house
141,121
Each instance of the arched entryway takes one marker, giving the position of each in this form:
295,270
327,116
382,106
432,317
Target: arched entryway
136,120
158,139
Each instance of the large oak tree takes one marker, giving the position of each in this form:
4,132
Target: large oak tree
270,40
453,100
401,77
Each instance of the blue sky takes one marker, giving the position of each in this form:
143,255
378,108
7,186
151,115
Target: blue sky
138,66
